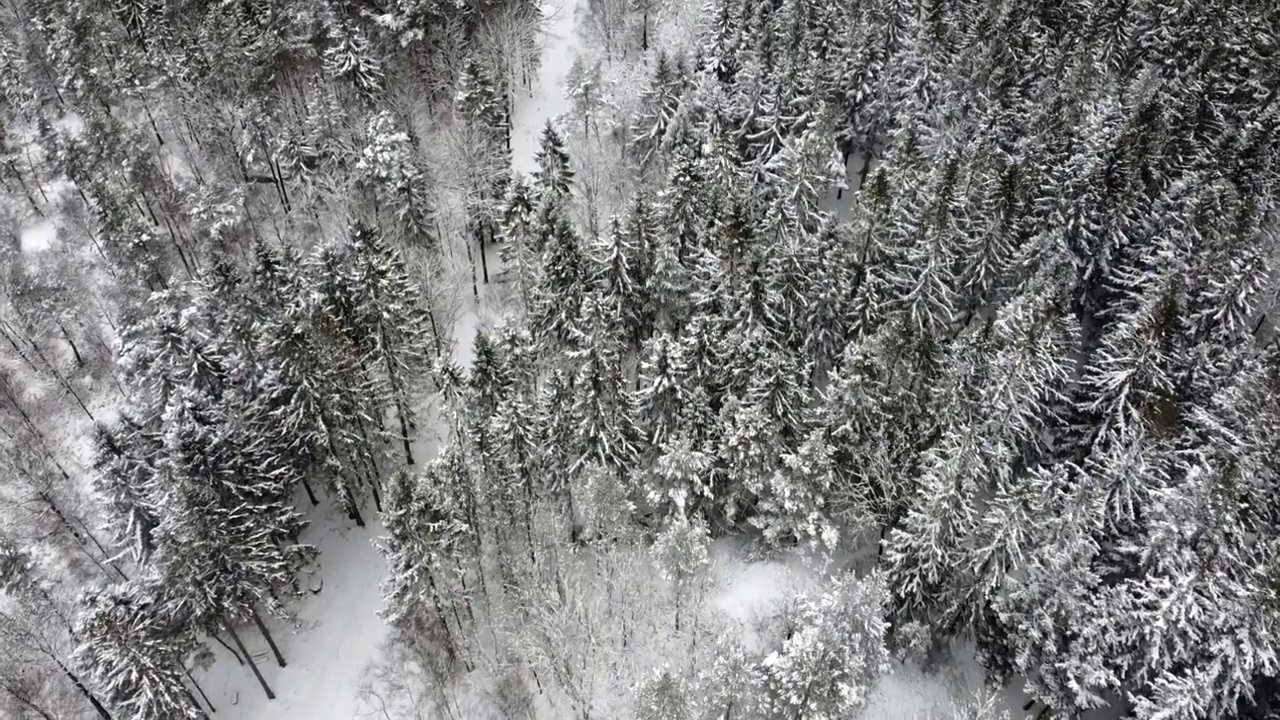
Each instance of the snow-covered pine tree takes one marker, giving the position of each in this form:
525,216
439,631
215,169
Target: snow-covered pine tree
603,407
396,183
663,696
348,54
835,652
557,298
427,533
392,317
125,461
130,649
521,242
658,106
553,179
620,274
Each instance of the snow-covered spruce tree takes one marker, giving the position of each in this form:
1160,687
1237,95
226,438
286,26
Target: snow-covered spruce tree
348,54
388,324
427,532
558,297
359,393
603,407
881,390
834,653
669,285
664,387
792,499
664,696
131,650
681,552
517,453
733,684
226,542
658,106
395,183
520,249
621,272
553,179
125,465
972,519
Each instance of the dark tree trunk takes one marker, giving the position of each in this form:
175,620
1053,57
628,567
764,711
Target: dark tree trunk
377,497
230,649
97,706
27,703
194,702
311,494
284,193
865,171
154,129
353,510
262,628
199,689
249,659
74,350
404,436
475,288
31,198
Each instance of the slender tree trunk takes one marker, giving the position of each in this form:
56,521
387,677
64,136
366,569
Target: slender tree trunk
402,410
377,496
865,171
199,689
475,288
311,494
30,198
484,261
194,702
435,332
353,510
284,192
249,659
262,628
404,435
154,129
97,706
62,379
450,645
74,350
230,649
35,176
81,542
27,703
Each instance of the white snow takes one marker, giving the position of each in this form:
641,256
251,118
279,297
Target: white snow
70,123
337,632
40,236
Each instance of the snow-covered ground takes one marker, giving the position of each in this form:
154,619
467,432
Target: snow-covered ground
336,633
37,237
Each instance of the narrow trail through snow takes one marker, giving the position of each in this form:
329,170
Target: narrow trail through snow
545,100
337,632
